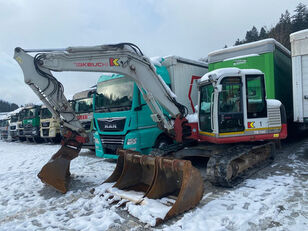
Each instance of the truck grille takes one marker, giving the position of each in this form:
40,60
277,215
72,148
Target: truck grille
28,126
111,124
111,143
45,132
45,124
12,127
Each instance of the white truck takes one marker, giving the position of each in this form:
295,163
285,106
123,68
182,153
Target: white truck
13,129
4,128
50,126
82,104
299,51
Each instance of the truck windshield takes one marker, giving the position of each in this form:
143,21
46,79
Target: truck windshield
30,113
4,123
83,105
45,113
14,118
114,95
21,115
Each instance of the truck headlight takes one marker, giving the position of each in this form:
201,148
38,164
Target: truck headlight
131,141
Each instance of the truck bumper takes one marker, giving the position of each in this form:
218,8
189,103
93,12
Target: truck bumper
32,132
136,140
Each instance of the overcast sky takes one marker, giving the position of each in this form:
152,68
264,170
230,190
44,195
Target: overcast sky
185,28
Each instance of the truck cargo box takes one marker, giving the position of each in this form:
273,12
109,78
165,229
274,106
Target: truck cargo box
183,73
299,48
268,56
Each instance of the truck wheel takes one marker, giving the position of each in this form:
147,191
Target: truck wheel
162,141
56,139
22,139
29,140
38,140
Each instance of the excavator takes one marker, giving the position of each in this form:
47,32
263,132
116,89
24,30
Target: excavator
236,129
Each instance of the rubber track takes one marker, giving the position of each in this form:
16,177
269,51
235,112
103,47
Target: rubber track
218,164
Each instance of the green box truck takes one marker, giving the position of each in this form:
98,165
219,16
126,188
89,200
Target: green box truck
268,56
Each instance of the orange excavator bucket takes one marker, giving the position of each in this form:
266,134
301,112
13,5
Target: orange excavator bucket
133,171
159,177
56,172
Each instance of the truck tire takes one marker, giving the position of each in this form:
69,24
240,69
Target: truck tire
162,141
29,140
38,140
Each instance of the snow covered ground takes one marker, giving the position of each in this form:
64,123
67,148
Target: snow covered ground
273,199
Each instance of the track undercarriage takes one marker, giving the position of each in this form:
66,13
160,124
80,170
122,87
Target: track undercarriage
228,164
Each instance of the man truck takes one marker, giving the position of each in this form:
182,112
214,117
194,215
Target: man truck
20,126
13,129
123,119
31,123
82,104
50,126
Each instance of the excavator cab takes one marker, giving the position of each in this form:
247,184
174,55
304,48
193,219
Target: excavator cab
234,108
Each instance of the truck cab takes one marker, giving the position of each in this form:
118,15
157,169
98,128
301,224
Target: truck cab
82,104
13,126
4,128
20,127
31,123
50,127
122,118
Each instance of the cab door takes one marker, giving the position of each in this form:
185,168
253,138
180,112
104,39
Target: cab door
230,105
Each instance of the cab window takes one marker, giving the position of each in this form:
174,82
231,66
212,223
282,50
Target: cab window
256,103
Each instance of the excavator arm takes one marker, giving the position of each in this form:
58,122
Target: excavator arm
124,59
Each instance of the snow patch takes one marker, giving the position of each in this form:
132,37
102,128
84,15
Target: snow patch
157,60
192,118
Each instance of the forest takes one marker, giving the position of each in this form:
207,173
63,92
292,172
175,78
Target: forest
7,107
286,25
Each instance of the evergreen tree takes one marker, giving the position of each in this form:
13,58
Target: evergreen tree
300,19
7,107
263,34
252,35
238,42
286,25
